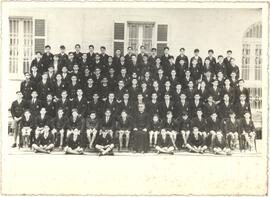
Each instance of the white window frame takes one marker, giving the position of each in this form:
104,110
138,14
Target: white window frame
140,34
19,76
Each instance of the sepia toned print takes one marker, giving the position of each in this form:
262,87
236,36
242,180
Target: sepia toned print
138,84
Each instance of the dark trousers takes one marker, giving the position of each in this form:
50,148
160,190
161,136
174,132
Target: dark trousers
140,140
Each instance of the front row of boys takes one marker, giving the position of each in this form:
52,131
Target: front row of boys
137,133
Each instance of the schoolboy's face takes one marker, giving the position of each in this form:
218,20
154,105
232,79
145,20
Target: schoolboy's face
84,56
182,97
64,69
47,49
142,49
74,113
197,97
130,50
77,48
182,52
153,53
154,96
141,108
71,56
62,50
133,59
39,55
27,76
76,67
140,97
167,97
34,69
166,51
210,53
195,131
95,96
110,59
194,61
19,95
155,84
90,81
126,96
134,81
34,94
178,87
79,92
55,58
43,111
122,58
111,96
242,97
27,114
108,113
44,76
220,59
158,60
118,52
58,77
185,116
210,99
214,116
124,114
169,115
60,112
207,61
227,82
155,118
199,113
49,97
232,116
91,49
226,98
173,73
74,79
64,95
182,62
92,116
247,115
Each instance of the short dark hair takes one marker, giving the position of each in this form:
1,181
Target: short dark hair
62,47
153,49
210,51
142,47
130,48
229,51
166,48
38,52
102,47
47,46
220,56
182,49
196,50
77,45
91,46
70,53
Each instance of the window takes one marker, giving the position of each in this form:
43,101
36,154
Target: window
21,44
252,53
140,34
255,98
252,64
26,36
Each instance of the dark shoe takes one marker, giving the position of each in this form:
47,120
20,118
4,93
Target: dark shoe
14,145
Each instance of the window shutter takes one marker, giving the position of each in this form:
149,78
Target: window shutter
40,34
162,33
162,38
119,37
160,48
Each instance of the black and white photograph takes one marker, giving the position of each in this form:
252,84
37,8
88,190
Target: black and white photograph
134,98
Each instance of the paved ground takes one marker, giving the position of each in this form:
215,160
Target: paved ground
127,173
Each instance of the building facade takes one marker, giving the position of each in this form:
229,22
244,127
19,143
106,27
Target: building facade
219,29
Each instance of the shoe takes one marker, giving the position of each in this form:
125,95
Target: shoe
171,153
100,154
111,153
14,145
